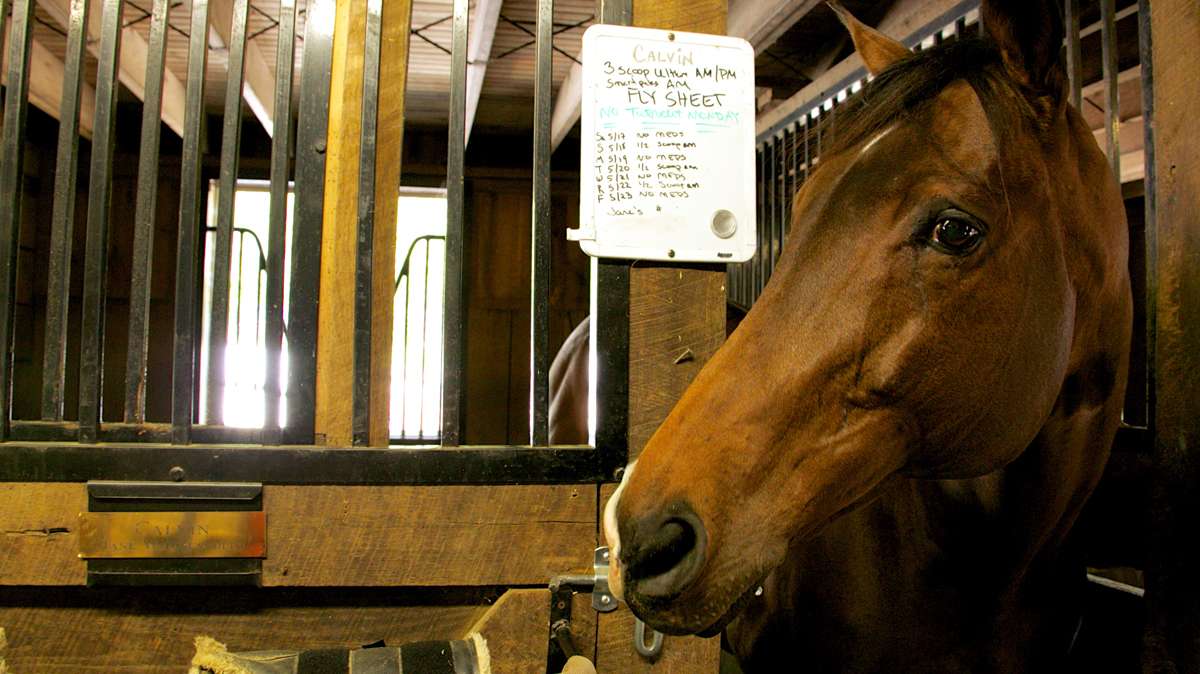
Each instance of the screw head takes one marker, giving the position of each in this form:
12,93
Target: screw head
177,474
605,599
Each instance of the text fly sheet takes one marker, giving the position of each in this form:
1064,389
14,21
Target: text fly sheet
667,168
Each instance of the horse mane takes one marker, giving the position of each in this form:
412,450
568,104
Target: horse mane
906,87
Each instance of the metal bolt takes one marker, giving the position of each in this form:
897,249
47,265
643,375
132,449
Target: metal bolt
671,37
671,253
319,147
177,474
562,604
605,555
604,599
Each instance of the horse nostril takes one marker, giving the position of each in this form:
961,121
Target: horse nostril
662,563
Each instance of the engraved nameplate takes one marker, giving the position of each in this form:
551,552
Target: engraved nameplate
175,535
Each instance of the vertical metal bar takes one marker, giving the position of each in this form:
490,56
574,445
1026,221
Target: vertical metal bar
95,266
539,332
190,226
610,330
364,252
1112,111
281,151
1146,53
772,210
144,217
62,228
231,135
1074,56
756,261
311,138
16,107
454,321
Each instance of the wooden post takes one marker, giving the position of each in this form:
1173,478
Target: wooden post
335,341
1172,584
673,310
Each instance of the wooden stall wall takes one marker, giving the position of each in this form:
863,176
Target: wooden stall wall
498,299
32,272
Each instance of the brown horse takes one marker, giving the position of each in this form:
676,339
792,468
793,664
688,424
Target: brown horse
879,470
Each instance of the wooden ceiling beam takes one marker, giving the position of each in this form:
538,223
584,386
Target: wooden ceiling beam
479,50
134,52
46,74
762,23
259,87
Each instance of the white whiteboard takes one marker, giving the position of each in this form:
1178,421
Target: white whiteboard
667,151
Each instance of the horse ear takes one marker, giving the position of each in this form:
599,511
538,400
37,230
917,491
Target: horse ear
1029,34
877,50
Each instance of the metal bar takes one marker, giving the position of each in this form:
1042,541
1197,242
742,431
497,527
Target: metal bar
1112,111
1146,53
363,264
303,301
95,266
231,136
144,218
62,229
16,108
454,345
1074,56
773,211
190,225
610,339
539,329
610,330
281,151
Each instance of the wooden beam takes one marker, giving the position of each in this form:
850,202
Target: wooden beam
568,106
479,50
389,148
259,87
762,23
134,52
1173,246
901,22
335,323
45,87
672,308
335,343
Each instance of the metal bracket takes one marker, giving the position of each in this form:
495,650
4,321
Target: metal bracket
562,591
602,598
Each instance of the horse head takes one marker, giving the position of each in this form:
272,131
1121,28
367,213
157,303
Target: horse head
952,302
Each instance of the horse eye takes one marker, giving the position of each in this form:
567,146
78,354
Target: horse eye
955,235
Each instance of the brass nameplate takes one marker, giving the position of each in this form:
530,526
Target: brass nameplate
182,535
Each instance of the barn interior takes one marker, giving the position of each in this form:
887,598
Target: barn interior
361,555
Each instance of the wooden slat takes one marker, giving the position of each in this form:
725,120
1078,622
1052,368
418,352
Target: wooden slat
393,72
39,543
1173,623
411,536
335,332
152,631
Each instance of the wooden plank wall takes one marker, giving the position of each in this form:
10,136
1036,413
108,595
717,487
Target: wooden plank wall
497,278
1173,587
32,276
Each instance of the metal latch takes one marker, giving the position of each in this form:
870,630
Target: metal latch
562,590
